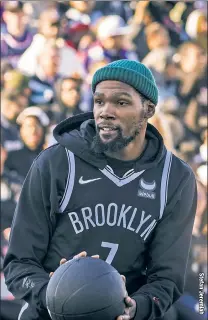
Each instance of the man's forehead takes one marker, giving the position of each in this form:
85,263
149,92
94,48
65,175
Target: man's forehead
114,87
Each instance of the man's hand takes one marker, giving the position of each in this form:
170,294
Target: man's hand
82,254
130,309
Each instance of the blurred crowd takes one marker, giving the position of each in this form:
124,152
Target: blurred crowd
49,53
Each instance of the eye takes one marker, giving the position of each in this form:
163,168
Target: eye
98,102
122,103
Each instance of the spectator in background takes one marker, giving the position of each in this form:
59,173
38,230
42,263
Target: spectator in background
99,61
49,26
141,19
42,83
16,36
10,109
196,27
68,96
112,44
33,128
196,113
11,186
15,81
120,8
160,123
190,62
5,66
79,19
160,11
158,41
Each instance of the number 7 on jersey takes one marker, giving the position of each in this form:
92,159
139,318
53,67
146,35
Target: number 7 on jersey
113,249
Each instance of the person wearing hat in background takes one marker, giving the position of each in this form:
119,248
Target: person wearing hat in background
16,36
112,151
33,124
112,43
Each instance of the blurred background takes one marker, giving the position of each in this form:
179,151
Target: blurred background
49,53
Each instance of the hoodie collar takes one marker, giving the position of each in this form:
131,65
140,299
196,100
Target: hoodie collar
76,134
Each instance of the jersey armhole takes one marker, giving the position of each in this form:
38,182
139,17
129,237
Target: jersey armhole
164,182
70,181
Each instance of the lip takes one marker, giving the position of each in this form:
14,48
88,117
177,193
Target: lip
108,126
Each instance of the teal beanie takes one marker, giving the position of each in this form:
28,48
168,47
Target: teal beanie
133,73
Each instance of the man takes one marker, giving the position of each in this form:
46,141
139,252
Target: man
112,42
33,123
68,95
49,29
42,83
15,34
109,187
11,108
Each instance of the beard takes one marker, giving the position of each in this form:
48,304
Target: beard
118,143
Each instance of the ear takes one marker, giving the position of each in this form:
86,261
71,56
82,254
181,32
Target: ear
149,109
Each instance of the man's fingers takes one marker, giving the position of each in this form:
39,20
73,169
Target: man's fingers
124,279
128,301
80,255
123,317
63,261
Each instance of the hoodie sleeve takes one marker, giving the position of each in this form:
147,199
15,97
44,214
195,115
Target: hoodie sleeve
168,254
31,230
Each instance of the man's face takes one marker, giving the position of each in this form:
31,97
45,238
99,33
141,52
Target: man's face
50,28
16,22
49,61
31,132
70,93
191,58
11,109
119,116
115,42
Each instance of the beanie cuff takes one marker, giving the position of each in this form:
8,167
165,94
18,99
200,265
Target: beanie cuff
139,82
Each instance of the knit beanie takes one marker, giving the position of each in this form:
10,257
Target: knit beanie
131,72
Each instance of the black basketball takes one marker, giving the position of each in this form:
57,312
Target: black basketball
85,289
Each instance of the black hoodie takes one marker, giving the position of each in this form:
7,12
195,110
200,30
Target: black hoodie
152,205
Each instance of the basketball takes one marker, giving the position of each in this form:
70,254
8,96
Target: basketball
87,289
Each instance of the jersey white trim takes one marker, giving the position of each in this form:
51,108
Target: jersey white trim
24,307
120,182
70,181
164,182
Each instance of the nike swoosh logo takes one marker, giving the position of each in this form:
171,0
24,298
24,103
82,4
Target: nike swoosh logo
81,181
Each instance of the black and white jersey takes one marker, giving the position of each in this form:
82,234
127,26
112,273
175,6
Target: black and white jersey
108,215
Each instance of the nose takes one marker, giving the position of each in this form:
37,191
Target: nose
107,112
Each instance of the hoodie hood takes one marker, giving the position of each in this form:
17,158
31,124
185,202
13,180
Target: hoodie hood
76,134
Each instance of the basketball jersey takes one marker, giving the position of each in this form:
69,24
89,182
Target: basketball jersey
108,215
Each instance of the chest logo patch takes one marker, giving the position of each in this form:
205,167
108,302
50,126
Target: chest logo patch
146,189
